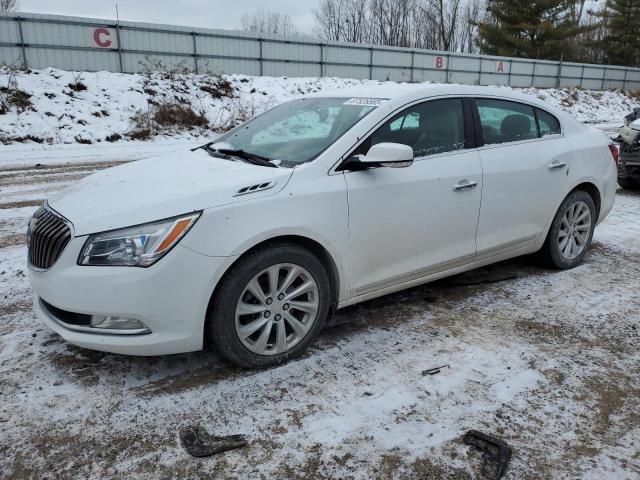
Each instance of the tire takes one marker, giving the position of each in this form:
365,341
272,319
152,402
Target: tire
555,252
228,323
628,183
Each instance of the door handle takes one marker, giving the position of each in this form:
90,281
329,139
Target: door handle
557,165
464,185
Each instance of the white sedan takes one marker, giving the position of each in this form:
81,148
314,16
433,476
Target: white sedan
247,243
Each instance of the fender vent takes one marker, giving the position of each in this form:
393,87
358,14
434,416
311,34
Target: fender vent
258,187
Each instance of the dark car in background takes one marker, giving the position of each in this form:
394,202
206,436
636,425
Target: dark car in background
629,158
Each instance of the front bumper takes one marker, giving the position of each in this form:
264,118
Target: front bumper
170,297
629,165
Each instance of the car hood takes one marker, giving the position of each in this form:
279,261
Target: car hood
161,187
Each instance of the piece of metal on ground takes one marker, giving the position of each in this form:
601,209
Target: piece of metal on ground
198,443
495,453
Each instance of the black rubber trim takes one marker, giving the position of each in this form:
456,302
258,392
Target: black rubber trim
476,122
72,318
470,129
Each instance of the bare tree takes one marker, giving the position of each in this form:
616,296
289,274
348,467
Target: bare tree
267,22
576,10
330,19
8,5
356,28
343,20
391,22
424,31
432,24
444,15
468,30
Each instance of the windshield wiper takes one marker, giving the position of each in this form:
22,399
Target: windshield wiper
253,158
205,146
249,157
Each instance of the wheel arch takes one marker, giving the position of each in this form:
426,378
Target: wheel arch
593,191
588,186
312,245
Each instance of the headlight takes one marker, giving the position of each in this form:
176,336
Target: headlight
139,246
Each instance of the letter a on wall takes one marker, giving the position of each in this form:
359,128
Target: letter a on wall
500,67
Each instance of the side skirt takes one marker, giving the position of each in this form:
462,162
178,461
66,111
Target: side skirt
478,262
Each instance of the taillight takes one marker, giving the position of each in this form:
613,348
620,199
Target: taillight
614,152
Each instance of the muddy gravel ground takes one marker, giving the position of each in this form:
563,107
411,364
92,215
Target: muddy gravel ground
546,360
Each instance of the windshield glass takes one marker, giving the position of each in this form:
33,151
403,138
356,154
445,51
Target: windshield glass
298,131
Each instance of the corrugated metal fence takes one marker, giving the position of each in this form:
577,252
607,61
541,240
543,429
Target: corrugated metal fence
71,43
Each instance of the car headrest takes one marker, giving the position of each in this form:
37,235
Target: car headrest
515,126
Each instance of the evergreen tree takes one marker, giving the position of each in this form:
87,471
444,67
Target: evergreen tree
529,29
621,44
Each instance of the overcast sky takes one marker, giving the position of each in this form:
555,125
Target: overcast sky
195,13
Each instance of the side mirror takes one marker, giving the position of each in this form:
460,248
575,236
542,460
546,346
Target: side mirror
394,155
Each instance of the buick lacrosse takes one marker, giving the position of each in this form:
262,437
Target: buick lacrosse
248,242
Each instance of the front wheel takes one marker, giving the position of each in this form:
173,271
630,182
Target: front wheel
270,306
571,231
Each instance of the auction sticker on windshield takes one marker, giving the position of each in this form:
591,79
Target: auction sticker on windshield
366,102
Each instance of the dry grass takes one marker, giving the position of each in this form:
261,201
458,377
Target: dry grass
178,114
14,98
218,87
166,116
635,94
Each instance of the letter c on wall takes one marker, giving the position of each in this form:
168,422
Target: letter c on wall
102,37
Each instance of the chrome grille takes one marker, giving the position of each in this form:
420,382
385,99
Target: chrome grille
47,237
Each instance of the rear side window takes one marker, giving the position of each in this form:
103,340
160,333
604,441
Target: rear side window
549,125
504,121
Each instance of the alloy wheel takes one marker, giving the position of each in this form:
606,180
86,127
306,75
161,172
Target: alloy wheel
575,229
276,309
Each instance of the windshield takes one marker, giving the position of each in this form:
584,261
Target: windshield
298,131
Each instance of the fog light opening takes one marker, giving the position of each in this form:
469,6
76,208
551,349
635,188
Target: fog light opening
107,322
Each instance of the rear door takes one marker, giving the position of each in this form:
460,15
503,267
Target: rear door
525,162
405,223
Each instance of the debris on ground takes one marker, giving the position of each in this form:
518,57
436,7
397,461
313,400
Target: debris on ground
434,370
198,443
549,352
495,453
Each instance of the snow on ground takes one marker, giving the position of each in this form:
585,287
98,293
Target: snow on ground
62,113
30,154
547,360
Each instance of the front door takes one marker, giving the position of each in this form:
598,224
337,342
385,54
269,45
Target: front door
406,223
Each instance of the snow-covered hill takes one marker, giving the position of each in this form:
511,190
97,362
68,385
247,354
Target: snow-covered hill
56,106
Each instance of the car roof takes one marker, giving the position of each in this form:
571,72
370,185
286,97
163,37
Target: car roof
401,93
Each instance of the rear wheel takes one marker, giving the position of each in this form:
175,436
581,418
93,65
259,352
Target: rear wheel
571,231
628,183
270,306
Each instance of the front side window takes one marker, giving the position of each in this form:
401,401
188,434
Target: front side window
430,128
504,121
549,125
298,131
